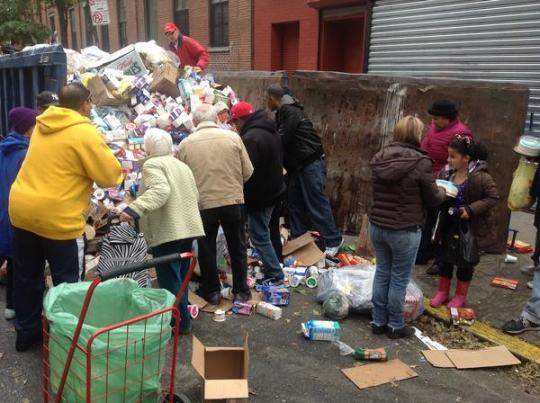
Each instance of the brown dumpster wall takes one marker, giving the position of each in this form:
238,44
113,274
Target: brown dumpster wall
355,115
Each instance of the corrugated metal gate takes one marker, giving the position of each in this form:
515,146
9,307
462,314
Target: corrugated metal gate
496,40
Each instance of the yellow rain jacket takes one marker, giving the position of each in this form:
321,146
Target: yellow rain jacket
53,188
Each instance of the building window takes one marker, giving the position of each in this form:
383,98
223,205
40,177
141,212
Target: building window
122,22
105,44
181,15
91,31
219,23
74,29
150,13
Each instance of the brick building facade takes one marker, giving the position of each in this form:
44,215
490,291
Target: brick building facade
311,35
224,27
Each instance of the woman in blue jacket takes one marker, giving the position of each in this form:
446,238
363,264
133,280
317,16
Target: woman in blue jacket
12,153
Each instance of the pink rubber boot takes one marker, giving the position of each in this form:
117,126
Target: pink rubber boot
442,293
460,298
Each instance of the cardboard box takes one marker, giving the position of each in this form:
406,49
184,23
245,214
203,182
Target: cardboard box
489,357
165,80
380,373
304,248
126,60
101,96
224,371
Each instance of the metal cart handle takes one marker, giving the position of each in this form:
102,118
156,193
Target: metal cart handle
146,264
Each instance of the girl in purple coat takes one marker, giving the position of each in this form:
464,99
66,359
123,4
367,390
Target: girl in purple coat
12,153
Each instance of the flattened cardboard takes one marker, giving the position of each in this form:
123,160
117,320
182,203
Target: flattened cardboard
489,357
379,373
194,299
438,358
498,356
225,305
304,248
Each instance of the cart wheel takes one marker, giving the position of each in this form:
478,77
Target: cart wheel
181,398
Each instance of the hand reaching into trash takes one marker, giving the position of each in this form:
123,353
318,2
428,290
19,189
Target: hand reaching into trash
197,69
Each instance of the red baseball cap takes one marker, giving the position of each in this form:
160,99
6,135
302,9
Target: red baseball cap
241,110
170,27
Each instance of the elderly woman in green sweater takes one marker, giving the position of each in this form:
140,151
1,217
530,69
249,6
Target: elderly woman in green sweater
167,207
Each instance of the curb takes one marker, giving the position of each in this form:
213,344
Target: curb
516,345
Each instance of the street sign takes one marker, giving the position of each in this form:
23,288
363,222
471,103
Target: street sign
99,11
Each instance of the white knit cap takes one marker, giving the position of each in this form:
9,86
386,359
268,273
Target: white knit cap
157,142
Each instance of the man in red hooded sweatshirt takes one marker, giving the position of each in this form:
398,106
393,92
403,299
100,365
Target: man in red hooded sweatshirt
444,128
189,51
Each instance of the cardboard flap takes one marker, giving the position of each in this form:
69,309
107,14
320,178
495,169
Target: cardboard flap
297,243
226,389
380,373
197,356
498,356
438,358
246,356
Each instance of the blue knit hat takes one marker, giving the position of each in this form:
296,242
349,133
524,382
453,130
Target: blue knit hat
22,119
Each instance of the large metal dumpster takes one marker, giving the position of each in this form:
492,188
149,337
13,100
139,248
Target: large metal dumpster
23,75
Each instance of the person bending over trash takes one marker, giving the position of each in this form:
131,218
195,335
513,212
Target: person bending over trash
466,223
403,187
48,199
167,208
221,166
305,163
189,51
265,187
12,152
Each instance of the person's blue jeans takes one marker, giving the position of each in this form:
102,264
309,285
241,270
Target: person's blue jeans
307,197
532,310
396,253
171,275
259,233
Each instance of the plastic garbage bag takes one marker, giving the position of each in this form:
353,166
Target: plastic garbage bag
414,302
336,306
344,349
355,282
74,61
93,54
62,307
519,196
154,55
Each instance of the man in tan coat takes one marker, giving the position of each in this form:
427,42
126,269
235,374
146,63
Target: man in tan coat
220,164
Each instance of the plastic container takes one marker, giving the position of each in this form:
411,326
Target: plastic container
529,146
321,330
450,188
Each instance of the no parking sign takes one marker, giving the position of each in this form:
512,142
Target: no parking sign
99,10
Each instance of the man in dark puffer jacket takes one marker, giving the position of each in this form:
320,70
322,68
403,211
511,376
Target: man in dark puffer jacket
305,165
265,187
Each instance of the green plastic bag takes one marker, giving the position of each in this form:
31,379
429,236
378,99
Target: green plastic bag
113,302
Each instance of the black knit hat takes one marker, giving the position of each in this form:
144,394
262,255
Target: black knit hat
46,98
445,108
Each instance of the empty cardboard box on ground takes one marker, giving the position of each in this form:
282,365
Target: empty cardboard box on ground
304,248
224,371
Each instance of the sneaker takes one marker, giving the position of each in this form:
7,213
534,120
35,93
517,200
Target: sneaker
433,270
528,270
24,343
530,284
332,251
376,329
270,281
518,326
405,331
9,314
243,296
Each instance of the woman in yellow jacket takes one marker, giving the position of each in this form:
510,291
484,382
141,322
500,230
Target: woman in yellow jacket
168,210
48,200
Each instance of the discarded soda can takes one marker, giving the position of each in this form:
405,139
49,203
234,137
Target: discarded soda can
462,316
323,330
311,282
227,293
312,271
193,311
276,295
219,315
294,281
505,283
243,308
269,310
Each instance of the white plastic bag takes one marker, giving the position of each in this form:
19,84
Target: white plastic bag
356,282
414,301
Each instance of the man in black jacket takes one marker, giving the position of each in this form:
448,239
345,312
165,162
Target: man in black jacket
305,165
265,187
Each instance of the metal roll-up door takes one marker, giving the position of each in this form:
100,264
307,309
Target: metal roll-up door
495,40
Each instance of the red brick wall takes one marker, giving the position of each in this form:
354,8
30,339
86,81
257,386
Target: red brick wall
268,12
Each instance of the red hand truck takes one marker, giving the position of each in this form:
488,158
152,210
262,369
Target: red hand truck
117,373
